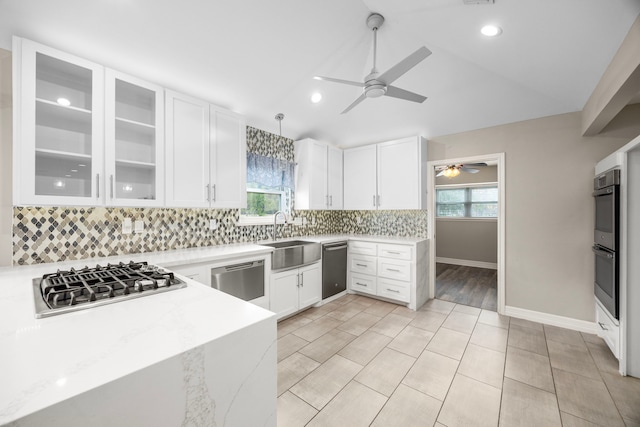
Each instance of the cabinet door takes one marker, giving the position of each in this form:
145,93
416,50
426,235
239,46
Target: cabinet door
134,135
284,293
310,290
311,178
360,178
58,148
334,177
228,159
399,174
187,139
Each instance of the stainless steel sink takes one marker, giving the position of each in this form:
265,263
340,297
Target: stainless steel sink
293,253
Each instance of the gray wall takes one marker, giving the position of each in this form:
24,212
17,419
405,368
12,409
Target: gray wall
549,209
468,239
6,137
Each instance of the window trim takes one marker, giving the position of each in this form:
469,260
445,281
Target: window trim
467,203
248,220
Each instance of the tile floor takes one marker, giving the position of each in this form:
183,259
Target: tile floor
358,361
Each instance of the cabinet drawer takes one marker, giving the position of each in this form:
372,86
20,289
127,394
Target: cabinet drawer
361,283
394,269
363,264
364,248
395,251
608,331
393,289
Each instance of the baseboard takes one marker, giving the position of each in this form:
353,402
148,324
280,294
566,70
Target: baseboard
468,263
552,319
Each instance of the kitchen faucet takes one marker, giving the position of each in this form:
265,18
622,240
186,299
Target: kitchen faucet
275,223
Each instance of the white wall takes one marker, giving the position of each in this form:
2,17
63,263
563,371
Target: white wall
549,208
6,137
633,267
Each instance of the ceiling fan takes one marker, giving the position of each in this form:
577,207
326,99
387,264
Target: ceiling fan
376,84
451,171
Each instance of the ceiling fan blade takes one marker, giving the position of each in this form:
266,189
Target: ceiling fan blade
475,164
469,170
396,92
344,82
354,103
441,172
393,73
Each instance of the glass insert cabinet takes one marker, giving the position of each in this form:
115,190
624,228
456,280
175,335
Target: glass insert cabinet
86,135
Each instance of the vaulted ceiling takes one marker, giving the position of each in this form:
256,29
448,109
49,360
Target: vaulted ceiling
258,57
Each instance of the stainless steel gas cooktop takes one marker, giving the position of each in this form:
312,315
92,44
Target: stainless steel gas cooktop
67,291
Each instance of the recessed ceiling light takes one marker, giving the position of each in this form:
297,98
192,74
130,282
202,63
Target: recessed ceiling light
491,30
316,97
63,101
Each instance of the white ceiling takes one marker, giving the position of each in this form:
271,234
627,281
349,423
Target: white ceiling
258,57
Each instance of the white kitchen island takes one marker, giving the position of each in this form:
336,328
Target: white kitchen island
193,356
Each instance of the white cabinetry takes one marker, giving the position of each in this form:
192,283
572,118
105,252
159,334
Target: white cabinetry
59,139
608,329
360,178
388,175
393,271
319,175
134,149
85,136
295,290
206,154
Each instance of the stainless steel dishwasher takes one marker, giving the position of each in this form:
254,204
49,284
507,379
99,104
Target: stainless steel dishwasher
334,268
245,280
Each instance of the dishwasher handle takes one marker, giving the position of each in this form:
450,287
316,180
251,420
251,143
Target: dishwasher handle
334,248
242,266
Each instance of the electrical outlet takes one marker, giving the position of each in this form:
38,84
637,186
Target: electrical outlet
313,220
213,224
138,226
304,220
126,226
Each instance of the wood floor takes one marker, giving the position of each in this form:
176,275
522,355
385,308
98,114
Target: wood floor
476,287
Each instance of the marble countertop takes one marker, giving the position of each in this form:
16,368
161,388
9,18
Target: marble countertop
49,360
45,361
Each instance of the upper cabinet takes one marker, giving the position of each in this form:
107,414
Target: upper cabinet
206,154
134,148
319,175
58,143
389,175
84,136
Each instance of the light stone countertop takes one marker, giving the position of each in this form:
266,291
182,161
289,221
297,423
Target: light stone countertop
45,361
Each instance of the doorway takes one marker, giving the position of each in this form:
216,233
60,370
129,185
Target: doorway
470,281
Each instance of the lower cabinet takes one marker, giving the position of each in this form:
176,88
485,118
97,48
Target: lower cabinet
388,274
295,290
608,330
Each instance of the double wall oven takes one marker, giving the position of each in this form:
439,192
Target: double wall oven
606,240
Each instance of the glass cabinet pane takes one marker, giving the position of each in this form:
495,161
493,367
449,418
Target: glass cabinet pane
63,115
135,142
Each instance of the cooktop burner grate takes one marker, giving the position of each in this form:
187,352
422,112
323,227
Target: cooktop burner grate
72,290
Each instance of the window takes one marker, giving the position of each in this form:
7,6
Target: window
270,187
467,202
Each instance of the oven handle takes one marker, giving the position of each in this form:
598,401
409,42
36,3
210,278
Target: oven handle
602,252
603,191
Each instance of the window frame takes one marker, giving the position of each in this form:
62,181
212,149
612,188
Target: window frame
468,187
265,219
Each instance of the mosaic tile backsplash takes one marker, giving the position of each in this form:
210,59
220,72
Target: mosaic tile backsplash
53,234
57,234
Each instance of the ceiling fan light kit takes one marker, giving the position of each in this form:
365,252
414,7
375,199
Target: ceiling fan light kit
375,84
451,171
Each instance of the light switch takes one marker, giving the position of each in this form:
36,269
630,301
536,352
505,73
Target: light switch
126,226
213,224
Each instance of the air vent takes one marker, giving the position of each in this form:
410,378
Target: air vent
478,1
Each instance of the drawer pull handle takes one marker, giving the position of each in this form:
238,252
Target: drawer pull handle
393,290
602,325
395,270
361,284
395,253
362,265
